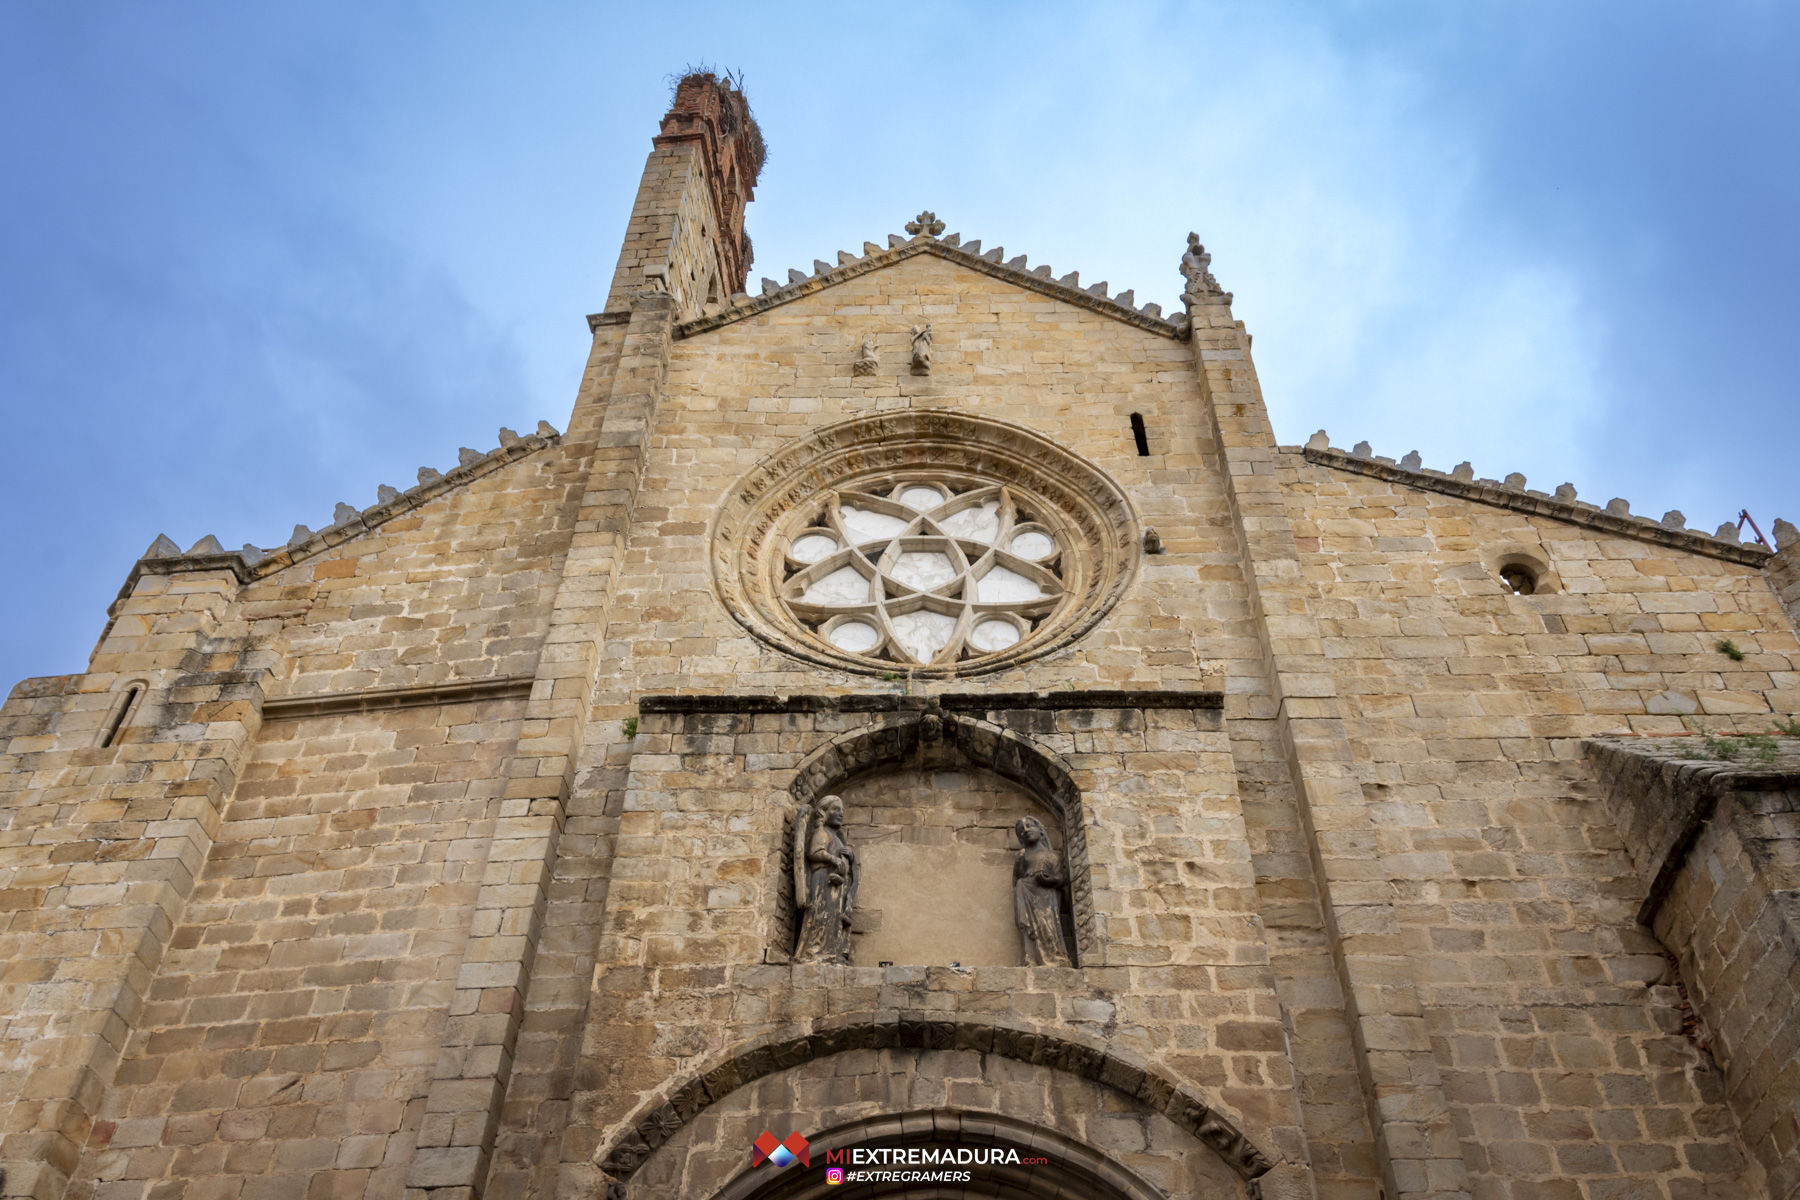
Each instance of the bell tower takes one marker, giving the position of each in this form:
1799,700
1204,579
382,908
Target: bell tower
686,235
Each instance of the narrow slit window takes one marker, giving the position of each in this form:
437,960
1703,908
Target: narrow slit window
1137,432
119,715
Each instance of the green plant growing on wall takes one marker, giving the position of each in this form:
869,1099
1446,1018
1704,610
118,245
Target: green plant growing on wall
1762,747
1730,649
628,727
1711,747
1791,727
1720,748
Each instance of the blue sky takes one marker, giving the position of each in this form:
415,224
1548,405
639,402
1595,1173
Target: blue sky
257,259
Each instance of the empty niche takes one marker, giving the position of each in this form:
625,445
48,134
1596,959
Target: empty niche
937,850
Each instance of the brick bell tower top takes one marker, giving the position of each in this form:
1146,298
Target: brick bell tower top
686,234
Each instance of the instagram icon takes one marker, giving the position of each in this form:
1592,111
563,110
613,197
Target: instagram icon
834,1174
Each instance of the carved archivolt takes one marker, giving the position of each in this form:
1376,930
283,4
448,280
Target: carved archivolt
933,543
1061,1166
624,1147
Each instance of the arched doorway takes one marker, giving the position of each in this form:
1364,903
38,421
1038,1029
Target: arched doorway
1117,1120
1002,1159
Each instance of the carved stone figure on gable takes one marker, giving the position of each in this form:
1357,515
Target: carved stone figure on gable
1194,268
1038,881
825,877
921,349
866,359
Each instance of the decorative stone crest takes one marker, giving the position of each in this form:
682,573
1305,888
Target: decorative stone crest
1038,882
926,223
935,542
826,873
921,349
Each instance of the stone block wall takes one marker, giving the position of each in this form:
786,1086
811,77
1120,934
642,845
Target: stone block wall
456,591
100,845
1784,576
859,1084
1716,841
1178,978
936,846
289,1038
1465,705
396,883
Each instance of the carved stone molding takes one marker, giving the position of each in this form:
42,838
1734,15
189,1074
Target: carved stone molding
1095,533
430,695
743,306
244,568
970,702
624,1147
1540,504
1060,1165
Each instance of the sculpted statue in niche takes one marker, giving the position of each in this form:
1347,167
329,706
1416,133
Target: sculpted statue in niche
1038,881
825,878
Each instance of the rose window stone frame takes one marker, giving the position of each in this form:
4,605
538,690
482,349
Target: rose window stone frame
933,544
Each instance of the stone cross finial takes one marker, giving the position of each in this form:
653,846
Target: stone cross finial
925,223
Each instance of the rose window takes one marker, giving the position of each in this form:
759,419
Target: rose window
931,543
925,572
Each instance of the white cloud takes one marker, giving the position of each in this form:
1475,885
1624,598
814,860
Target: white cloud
1389,301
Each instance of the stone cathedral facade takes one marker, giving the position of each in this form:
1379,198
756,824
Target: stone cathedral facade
919,708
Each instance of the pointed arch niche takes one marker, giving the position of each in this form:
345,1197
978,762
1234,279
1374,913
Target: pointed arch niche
931,803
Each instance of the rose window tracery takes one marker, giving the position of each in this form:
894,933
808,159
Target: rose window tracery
931,543
923,572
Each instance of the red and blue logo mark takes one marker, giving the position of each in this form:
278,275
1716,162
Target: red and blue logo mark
783,1153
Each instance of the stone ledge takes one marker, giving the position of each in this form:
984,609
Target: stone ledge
1661,801
883,702
1539,504
430,695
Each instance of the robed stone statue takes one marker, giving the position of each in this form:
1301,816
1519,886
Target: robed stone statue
825,878
1038,881
921,349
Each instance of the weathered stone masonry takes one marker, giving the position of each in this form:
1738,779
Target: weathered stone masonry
1425,836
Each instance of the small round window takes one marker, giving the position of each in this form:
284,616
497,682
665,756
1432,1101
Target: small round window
1522,580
